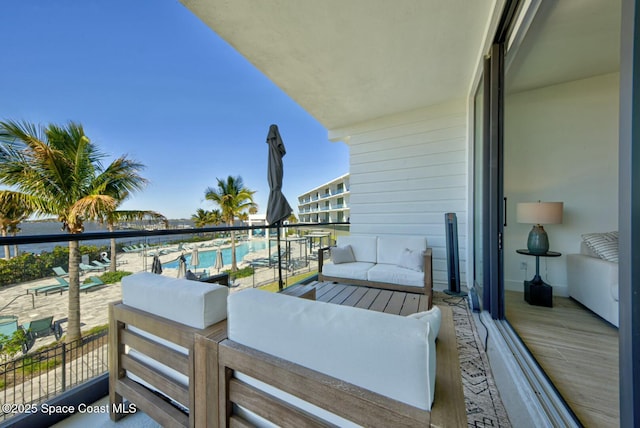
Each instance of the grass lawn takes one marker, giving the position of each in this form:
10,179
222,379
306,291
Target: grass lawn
273,286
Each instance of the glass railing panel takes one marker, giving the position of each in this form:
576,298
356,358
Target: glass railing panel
258,261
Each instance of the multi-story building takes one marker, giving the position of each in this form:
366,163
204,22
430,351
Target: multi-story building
328,203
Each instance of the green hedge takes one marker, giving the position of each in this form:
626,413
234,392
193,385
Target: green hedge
28,267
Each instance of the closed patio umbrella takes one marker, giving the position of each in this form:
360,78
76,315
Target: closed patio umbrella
278,209
219,262
195,259
156,266
182,267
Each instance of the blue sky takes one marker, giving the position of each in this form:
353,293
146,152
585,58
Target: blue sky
148,79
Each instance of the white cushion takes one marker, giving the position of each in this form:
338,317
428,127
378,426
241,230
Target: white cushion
390,247
355,270
347,343
196,304
411,259
586,250
192,303
394,274
342,255
605,245
364,247
433,317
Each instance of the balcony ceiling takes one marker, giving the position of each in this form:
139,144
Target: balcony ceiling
347,62
567,40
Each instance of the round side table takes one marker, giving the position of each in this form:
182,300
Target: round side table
536,291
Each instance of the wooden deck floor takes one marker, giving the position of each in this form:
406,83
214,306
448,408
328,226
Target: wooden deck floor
392,302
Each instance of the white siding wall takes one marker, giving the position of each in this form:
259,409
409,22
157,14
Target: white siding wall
407,171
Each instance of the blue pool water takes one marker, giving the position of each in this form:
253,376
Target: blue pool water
208,258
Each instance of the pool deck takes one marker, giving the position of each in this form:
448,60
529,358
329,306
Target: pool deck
94,304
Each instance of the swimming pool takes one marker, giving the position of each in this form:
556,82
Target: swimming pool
208,258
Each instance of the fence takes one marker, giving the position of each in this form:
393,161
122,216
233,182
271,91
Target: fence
37,377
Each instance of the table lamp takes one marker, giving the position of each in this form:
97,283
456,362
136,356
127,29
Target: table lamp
539,213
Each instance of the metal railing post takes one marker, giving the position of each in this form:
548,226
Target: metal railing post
64,366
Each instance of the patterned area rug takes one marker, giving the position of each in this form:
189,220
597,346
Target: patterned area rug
482,400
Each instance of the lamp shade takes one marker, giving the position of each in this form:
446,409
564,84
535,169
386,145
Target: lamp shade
539,212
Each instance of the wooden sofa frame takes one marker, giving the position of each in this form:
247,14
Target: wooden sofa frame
428,277
341,398
202,404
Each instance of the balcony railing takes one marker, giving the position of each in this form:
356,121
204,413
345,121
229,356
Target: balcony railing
50,367
36,377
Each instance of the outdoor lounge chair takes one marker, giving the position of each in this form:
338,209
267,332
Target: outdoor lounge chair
46,289
88,268
95,282
42,327
8,327
60,271
158,252
101,265
133,249
118,262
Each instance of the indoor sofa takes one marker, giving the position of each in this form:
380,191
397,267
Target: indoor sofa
401,263
592,275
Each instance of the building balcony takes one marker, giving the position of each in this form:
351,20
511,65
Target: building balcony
168,245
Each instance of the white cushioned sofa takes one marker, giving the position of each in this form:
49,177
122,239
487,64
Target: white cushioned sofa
395,262
592,275
151,345
303,362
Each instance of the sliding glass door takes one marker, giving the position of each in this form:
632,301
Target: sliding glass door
489,208
546,128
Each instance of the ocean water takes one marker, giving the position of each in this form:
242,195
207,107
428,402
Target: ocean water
53,228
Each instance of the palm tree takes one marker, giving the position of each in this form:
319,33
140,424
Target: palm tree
57,170
233,199
111,218
204,218
214,217
200,218
12,213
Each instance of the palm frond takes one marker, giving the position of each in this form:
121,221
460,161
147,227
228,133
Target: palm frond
91,207
135,215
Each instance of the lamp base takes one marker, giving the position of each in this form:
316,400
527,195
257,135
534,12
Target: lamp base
538,241
538,293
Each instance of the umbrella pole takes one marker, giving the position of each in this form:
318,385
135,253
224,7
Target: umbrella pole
280,285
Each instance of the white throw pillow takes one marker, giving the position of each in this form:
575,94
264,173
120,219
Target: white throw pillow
433,317
342,254
604,245
412,259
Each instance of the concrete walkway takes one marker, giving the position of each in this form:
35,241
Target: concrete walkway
94,304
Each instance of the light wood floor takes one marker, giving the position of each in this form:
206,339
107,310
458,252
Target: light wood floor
577,350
